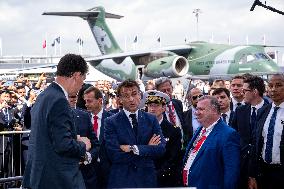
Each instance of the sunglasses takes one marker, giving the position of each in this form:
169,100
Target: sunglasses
197,96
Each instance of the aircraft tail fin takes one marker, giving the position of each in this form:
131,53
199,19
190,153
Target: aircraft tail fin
96,20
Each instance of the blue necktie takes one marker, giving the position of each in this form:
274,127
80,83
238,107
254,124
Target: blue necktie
253,120
224,116
269,143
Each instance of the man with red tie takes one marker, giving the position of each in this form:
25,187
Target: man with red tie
212,157
94,103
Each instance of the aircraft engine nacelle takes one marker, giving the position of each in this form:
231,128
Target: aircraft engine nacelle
171,66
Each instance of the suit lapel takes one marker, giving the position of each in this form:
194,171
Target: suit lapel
102,129
124,119
210,138
189,146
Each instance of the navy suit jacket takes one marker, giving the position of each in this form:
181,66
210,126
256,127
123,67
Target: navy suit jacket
217,163
255,164
85,129
54,152
129,170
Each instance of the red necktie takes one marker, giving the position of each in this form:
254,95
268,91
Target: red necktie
172,114
96,125
200,141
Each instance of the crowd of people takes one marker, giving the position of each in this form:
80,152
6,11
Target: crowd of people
131,135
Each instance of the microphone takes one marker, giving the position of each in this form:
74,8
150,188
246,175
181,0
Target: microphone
256,2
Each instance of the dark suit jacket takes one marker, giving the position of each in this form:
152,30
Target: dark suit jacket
129,170
168,166
85,129
218,161
255,164
103,166
54,152
241,123
187,126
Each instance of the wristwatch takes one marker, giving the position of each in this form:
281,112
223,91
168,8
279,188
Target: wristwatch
132,148
88,158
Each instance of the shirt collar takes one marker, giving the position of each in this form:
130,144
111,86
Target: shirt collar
235,102
100,114
65,92
259,105
281,105
128,112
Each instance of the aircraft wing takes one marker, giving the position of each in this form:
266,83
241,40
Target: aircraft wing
82,14
179,50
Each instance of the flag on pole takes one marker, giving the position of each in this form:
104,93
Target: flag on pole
53,44
44,44
263,39
135,39
80,41
58,39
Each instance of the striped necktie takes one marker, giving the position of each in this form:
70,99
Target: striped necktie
269,142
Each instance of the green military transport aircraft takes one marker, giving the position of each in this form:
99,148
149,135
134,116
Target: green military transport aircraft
195,58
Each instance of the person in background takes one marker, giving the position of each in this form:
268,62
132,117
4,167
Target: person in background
169,165
237,92
94,103
223,96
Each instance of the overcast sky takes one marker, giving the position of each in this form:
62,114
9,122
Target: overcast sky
23,28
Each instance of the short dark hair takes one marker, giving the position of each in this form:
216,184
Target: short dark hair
71,63
213,102
256,82
162,80
238,77
97,93
127,83
220,90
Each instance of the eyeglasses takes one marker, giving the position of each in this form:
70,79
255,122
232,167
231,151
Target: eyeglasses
197,96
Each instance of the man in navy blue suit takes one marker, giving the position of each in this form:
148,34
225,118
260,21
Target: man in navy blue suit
245,120
223,96
133,140
169,165
212,157
85,129
267,165
54,149
94,104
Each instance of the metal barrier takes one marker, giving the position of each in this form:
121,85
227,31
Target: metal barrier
11,157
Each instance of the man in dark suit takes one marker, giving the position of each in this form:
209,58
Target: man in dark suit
174,110
223,96
85,129
168,166
212,158
189,116
245,121
267,164
236,89
94,103
133,140
55,150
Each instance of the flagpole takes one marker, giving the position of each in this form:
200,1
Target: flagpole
60,41
55,45
264,39
247,39
45,44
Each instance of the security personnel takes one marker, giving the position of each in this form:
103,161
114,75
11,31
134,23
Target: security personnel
168,165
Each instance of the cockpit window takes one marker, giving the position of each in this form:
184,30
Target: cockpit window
261,56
